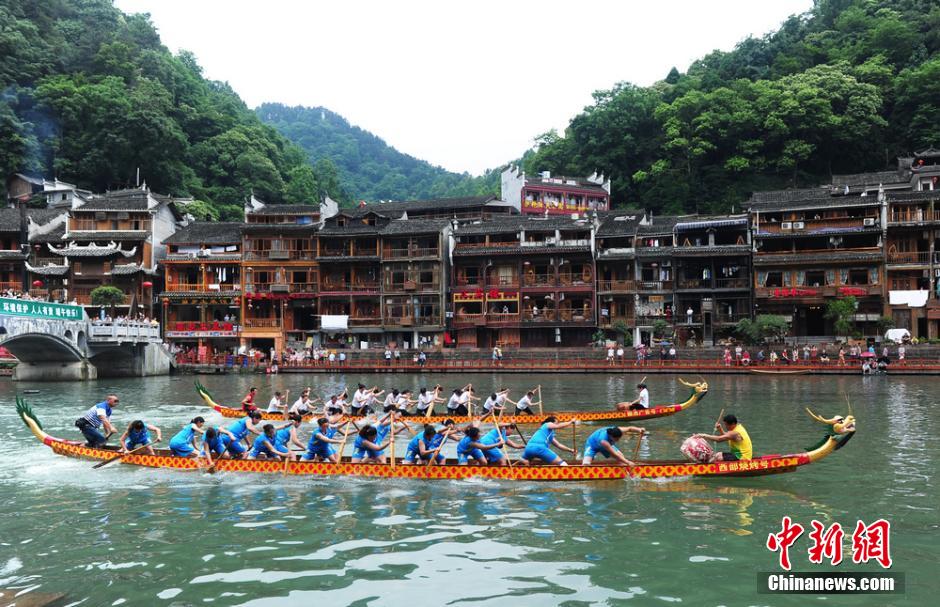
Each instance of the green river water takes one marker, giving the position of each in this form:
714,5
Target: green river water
127,536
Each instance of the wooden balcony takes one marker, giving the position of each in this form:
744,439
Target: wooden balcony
278,254
654,285
123,225
813,225
609,321
540,280
616,286
410,252
718,283
341,287
262,323
201,287
11,285
909,258
805,292
500,318
912,216
365,321
411,285
503,282
469,320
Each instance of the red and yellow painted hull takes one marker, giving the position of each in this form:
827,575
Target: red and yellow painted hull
447,471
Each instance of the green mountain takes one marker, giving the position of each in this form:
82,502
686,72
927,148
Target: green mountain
369,168
90,95
844,88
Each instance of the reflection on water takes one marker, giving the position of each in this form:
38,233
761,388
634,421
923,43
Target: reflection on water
129,536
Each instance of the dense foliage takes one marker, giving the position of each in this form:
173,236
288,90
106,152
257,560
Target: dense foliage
369,168
844,88
765,328
90,95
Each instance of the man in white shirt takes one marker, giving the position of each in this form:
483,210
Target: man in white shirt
427,399
278,403
610,356
302,405
642,400
524,405
360,400
392,399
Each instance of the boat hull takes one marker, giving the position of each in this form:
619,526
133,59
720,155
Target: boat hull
448,471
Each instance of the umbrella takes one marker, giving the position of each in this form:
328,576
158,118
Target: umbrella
868,354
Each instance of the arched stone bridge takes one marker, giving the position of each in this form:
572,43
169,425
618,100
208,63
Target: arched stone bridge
59,342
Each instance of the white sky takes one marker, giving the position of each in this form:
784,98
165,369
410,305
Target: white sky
465,85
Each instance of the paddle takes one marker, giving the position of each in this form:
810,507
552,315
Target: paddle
540,399
499,432
121,455
342,446
720,415
636,450
391,429
438,450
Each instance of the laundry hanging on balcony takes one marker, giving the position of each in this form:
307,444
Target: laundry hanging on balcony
334,322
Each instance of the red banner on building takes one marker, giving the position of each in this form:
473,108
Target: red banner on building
795,292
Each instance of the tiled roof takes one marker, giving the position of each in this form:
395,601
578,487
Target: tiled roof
698,222
661,225
49,269
120,200
817,257
707,251
208,232
125,269
395,209
620,223
398,227
912,196
286,209
788,195
54,235
45,215
92,250
817,203
9,220
517,223
278,228
208,259
12,256
353,228
654,251
109,235
880,177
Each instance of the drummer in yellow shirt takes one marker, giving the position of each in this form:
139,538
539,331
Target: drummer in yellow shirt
735,434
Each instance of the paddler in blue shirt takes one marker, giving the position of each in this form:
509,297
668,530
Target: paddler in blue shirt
263,446
138,435
604,442
286,436
366,449
241,431
320,446
216,442
95,418
183,443
471,448
496,457
539,444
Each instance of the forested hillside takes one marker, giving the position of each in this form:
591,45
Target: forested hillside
90,95
845,88
369,168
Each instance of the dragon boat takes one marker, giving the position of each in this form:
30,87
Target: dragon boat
699,390
840,431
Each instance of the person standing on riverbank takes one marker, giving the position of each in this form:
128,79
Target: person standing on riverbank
97,417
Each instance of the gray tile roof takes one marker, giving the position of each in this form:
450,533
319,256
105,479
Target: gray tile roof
821,232
620,223
9,220
125,269
707,251
789,195
119,200
516,223
912,196
396,209
12,256
279,228
515,249
49,269
286,209
55,235
398,227
208,232
44,216
661,225
816,203
873,179
817,257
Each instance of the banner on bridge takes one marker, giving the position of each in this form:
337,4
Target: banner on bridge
40,309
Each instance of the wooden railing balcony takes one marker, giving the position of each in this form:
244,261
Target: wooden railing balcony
503,282
502,318
909,257
912,215
609,321
469,283
654,285
813,291
46,294
262,323
90,225
411,285
278,254
469,320
543,315
365,321
339,286
616,286
11,285
302,287
406,253
800,226
575,280
576,315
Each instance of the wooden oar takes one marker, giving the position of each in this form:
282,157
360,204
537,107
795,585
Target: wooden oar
391,429
121,455
438,450
540,400
720,415
342,446
499,433
636,450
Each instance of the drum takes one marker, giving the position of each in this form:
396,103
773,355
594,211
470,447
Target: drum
697,450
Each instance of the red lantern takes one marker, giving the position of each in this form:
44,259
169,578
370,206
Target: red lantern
37,283
147,284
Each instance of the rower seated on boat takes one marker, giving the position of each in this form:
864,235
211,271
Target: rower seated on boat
286,436
99,416
457,403
303,405
427,400
215,442
404,401
366,449
499,434
604,442
183,443
361,399
524,404
137,435
278,403
248,403
333,406
539,446
264,446
735,434
423,446
492,405
471,448
391,400
385,426
241,432
320,446
641,402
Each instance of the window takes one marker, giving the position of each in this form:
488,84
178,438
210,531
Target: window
815,278
858,277
774,279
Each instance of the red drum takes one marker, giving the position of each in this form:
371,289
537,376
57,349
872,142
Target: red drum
697,450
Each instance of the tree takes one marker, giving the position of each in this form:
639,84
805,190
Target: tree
661,328
201,210
623,330
842,314
764,328
106,295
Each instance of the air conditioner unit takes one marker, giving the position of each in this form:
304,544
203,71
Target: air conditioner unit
798,225
786,225
868,221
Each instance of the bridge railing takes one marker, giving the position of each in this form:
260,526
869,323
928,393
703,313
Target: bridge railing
124,332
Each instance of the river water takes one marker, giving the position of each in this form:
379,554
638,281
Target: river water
129,536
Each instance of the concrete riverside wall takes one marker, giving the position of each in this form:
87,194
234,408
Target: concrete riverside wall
140,360
55,371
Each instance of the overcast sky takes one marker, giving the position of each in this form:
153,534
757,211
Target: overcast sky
465,85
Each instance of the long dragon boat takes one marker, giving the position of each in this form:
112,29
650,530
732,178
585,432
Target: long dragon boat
699,390
841,430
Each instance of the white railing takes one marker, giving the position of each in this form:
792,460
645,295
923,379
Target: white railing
124,332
